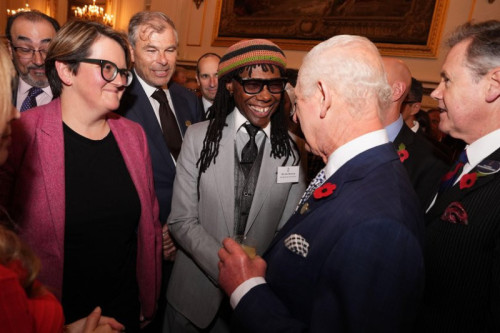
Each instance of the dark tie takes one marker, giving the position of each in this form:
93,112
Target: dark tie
449,178
250,150
171,132
30,101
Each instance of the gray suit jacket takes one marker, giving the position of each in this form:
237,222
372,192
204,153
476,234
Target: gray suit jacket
200,226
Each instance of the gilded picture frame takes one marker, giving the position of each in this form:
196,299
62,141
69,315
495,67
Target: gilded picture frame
409,28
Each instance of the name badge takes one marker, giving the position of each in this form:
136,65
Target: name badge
288,174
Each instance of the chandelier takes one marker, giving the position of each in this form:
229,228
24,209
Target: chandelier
93,13
26,8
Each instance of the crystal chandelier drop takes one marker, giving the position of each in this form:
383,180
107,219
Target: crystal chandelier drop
26,8
93,13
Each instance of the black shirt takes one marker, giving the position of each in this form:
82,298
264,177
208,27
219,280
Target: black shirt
100,239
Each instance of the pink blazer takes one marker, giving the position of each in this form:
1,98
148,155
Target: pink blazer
32,188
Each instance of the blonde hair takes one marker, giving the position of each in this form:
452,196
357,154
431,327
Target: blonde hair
7,74
13,249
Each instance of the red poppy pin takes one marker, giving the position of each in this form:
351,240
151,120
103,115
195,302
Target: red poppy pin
324,191
455,213
402,152
468,180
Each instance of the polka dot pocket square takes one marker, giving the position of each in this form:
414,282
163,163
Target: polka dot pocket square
297,244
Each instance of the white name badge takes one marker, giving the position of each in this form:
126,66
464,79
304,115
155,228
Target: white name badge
288,174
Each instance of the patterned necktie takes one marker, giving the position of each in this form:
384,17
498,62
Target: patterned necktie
449,178
315,183
250,150
171,132
30,101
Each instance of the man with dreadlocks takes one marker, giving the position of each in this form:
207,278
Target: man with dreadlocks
237,174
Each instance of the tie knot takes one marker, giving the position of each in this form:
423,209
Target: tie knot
462,158
160,96
252,130
34,91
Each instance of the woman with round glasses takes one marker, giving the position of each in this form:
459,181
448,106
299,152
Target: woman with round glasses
238,174
79,182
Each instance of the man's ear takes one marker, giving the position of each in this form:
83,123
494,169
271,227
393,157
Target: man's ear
132,55
494,86
415,107
398,90
64,72
229,87
326,98
11,51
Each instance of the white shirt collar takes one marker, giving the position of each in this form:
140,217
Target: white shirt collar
482,148
353,148
206,103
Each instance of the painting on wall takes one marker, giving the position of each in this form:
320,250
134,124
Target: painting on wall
398,27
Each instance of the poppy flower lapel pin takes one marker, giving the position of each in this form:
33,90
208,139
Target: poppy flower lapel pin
485,168
324,191
402,152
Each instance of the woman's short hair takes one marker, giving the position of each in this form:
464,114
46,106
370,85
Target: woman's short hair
72,43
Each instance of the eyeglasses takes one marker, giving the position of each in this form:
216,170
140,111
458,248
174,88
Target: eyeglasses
255,86
28,53
109,71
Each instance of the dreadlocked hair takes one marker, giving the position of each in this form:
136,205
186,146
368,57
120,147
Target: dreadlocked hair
281,141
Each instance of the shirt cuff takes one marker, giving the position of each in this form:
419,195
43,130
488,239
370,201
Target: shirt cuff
243,289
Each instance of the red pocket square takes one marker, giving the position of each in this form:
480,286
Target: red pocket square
455,213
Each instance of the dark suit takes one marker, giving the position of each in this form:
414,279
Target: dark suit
364,269
463,260
423,164
135,105
202,109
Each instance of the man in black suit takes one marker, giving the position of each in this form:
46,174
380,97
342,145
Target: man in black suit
29,35
419,157
206,77
462,255
350,258
163,108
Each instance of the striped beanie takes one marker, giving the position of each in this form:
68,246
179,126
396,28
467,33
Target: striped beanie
251,52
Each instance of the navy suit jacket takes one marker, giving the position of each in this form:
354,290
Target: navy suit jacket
135,105
364,268
424,164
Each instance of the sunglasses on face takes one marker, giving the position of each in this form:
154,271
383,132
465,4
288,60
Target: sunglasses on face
255,86
109,71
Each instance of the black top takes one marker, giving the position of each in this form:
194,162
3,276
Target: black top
100,239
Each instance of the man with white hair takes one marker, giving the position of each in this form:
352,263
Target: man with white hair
350,258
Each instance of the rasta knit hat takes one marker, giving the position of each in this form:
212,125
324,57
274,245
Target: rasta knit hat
251,52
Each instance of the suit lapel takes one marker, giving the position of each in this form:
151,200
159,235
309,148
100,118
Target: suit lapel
223,172
50,139
144,113
266,180
405,136
455,193
179,102
355,169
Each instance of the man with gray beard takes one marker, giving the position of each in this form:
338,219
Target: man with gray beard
29,35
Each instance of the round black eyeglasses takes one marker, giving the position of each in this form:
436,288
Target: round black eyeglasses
109,71
255,86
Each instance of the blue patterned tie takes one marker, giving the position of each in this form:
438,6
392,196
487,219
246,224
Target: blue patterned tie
449,178
313,185
30,101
